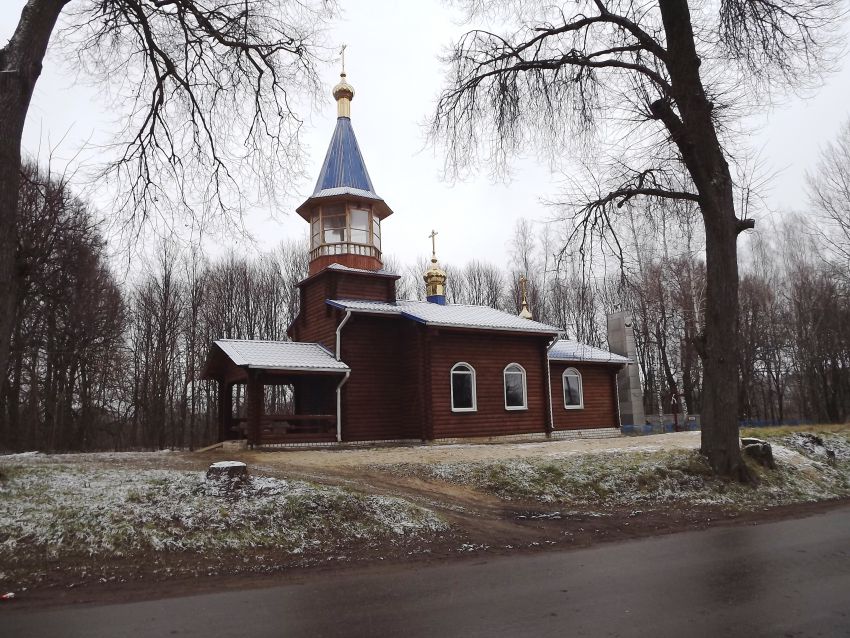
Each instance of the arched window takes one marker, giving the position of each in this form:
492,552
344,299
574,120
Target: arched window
516,397
463,388
573,397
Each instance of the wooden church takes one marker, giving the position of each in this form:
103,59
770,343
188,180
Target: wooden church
365,366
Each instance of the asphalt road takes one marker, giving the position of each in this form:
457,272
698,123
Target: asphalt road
790,578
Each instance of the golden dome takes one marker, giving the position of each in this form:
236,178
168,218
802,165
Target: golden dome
435,280
343,89
435,273
435,277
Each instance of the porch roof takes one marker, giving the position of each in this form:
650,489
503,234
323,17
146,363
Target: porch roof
279,355
569,350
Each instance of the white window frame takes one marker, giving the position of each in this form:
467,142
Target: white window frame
471,373
573,372
524,405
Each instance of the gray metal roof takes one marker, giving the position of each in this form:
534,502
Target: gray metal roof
357,271
344,190
341,268
281,355
569,350
449,316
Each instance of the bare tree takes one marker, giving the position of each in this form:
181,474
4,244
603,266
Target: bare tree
66,345
829,194
673,76
209,90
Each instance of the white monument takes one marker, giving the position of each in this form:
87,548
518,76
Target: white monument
621,340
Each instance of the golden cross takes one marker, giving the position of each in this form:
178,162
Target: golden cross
342,53
433,243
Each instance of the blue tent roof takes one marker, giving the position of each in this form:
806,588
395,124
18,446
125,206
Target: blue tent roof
344,169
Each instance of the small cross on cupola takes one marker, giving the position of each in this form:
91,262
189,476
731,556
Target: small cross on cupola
344,211
435,277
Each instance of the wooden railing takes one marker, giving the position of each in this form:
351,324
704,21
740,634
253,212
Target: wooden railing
297,428
289,428
345,248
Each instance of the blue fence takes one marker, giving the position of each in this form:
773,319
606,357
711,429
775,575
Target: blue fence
655,428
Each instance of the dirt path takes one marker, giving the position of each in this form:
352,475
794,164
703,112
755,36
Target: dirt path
483,519
469,452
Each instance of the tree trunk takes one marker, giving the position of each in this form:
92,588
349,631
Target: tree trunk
692,130
20,66
720,382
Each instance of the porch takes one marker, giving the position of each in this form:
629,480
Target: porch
274,392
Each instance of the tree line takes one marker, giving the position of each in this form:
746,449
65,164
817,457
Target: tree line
99,363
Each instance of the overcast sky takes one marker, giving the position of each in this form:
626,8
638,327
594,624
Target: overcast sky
392,62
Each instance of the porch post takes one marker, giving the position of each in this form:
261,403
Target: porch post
228,409
224,404
254,399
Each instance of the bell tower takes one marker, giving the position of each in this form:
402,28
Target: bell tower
344,212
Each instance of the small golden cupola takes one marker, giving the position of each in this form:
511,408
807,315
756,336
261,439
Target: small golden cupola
435,277
525,313
343,93
344,212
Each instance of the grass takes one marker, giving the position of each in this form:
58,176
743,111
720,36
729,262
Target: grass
632,477
784,430
65,510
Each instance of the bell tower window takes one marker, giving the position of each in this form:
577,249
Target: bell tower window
345,228
360,225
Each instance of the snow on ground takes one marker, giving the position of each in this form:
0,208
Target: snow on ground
817,445
126,503
60,509
644,474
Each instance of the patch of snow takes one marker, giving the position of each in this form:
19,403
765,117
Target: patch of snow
630,477
57,510
816,445
782,454
223,464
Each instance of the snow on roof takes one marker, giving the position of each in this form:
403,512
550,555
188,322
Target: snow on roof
342,268
569,350
347,269
280,355
449,315
344,190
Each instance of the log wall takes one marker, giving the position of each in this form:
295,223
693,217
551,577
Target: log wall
599,388
381,400
317,321
488,353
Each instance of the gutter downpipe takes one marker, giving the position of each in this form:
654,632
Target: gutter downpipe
551,345
339,406
339,333
344,379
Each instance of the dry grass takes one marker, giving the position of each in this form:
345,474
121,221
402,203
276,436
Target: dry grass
782,430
